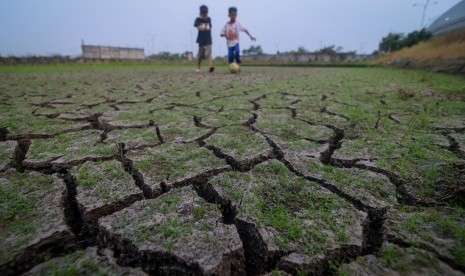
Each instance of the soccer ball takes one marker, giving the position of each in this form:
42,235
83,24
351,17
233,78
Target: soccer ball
203,27
234,68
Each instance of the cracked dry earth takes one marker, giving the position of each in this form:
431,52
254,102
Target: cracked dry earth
143,170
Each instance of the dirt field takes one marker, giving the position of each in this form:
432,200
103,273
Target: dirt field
146,169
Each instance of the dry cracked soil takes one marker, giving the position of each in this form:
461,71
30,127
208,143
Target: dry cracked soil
136,170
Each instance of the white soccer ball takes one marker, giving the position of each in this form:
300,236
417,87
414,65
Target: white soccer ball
204,27
234,68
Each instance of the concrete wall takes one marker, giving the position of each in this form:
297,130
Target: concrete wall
107,52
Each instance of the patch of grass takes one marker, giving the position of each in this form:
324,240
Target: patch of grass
303,215
279,218
238,141
20,216
65,271
134,117
175,161
459,253
354,114
199,211
389,254
70,146
172,229
415,221
106,180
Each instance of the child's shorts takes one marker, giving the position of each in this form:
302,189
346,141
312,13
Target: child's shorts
205,51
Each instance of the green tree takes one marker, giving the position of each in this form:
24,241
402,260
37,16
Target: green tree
330,50
391,42
253,50
396,41
302,51
415,37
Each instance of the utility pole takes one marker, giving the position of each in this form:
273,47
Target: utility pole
425,7
192,41
152,40
277,47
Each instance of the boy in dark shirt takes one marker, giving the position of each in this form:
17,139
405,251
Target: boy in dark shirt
204,38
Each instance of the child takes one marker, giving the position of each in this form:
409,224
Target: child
204,38
231,32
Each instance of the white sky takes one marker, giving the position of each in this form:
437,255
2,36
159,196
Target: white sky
45,27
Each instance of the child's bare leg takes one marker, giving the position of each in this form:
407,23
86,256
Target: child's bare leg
198,65
210,64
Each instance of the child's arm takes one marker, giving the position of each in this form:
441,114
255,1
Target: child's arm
198,25
251,37
242,28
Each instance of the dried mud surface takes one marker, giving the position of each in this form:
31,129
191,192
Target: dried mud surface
295,171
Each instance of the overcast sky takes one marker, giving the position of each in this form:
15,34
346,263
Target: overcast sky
46,27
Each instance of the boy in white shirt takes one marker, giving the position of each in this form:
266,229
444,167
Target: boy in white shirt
231,32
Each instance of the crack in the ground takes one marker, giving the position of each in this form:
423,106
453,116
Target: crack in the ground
454,146
251,120
255,105
73,215
76,218
206,191
334,144
159,136
325,110
154,263
201,140
198,178
372,227
404,244
257,257
373,231
4,133
31,136
257,262
243,165
48,116
198,122
451,129
295,102
19,155
403,196
391,117
291,109
50,167
128,166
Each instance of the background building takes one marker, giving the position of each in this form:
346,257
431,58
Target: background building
107,52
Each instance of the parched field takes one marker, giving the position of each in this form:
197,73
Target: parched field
128,170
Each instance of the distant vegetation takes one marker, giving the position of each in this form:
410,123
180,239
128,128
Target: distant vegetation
445,53
396,41
326,50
